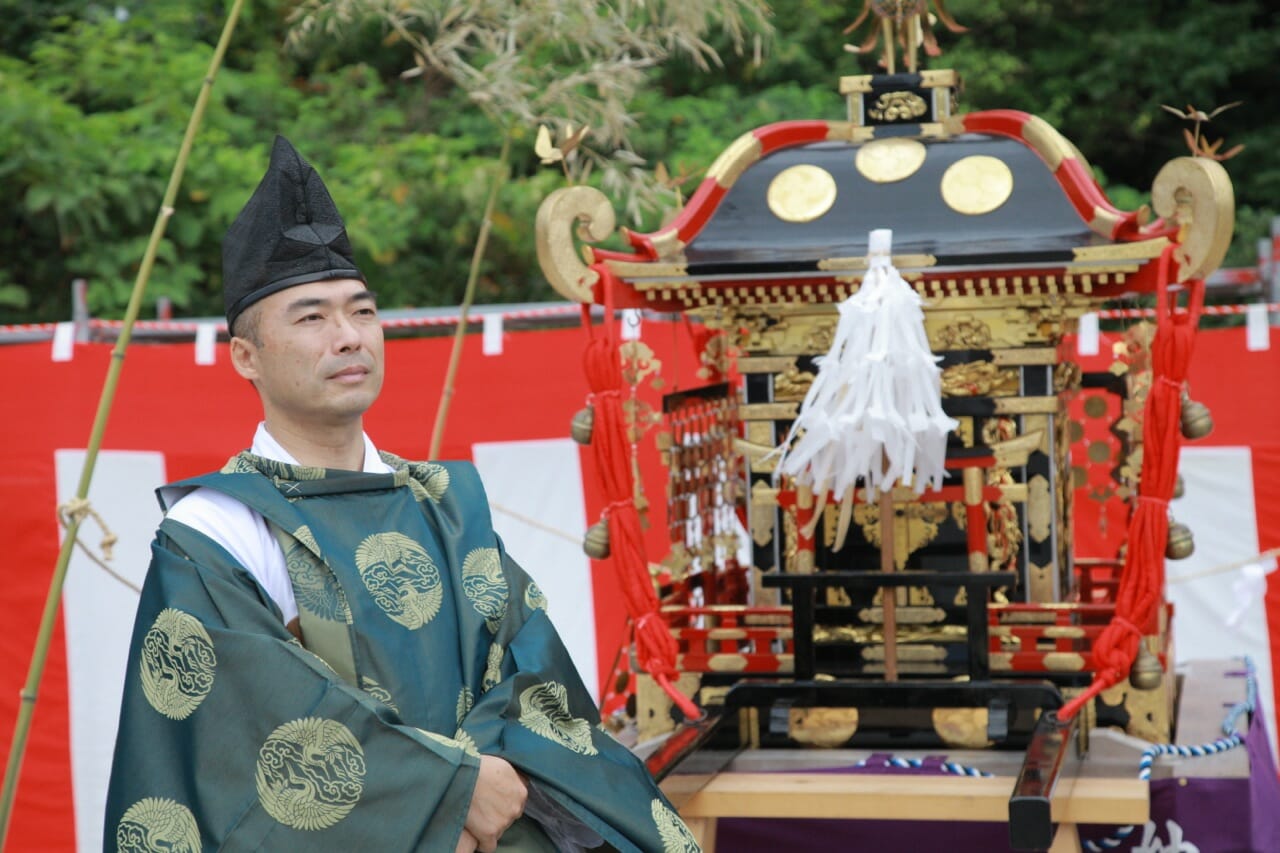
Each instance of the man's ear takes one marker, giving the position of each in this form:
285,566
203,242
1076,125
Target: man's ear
244,358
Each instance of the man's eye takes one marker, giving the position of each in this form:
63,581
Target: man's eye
309,318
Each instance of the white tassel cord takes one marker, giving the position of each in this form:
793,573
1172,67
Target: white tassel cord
874,411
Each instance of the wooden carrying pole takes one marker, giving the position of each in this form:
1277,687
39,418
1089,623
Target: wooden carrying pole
26,707
888,594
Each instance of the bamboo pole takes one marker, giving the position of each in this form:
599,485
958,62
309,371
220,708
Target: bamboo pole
26,707
468,296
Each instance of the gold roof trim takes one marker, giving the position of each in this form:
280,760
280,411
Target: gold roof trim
847,131
1048,142
735,159
860,84
668,245
902,262
1140,250
648,269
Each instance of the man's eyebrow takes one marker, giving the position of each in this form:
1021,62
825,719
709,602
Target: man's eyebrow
319,301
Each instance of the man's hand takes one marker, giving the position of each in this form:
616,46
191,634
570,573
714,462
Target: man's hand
466,843
497,801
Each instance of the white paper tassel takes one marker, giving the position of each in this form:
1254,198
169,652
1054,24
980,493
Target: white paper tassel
874,411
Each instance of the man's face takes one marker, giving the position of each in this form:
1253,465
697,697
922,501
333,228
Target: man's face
317,359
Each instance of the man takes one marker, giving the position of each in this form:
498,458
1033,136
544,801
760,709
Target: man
332,650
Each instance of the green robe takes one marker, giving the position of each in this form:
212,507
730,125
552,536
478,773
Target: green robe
426,646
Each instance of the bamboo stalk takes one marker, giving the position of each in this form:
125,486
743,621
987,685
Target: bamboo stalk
473,274
26,708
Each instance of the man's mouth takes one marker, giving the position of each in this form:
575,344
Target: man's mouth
351,374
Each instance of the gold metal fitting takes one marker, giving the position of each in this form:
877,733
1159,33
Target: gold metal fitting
1180,544
1197,420
583,425
596,542
1146,673
1178,487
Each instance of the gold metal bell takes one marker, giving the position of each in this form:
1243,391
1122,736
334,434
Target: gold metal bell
1178,487
1146,673
1197,420
1180,544
596,542
583,425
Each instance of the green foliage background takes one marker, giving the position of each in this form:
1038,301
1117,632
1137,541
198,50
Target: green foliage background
94,98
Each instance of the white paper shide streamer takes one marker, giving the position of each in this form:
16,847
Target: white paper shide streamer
873,414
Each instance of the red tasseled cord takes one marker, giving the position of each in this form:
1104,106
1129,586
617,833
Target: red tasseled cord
1141,588
656,649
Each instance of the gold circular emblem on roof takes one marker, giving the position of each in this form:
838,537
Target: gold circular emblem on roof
977,184
801,193
884,161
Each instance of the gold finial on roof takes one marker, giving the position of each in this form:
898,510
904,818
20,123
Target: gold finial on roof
906,22
1201,147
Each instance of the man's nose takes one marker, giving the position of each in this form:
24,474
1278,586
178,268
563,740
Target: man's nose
346,337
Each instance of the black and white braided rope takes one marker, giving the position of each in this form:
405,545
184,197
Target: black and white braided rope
1230,740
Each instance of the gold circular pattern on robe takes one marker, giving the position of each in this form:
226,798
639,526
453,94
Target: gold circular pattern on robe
177,664
484,583
534,598
316,589
884,161
801,193
466,700
377,691
493,667
544,710
676,837
238,465
401,578
462,741
158,825
428,480
976,185
310,773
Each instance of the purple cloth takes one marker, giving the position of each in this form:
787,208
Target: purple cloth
1214,815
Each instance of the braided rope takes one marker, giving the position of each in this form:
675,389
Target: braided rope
918,763
1230,740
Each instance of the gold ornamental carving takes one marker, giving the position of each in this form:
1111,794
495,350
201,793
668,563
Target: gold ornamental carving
898,106
1196,193
977,185
964,333
884,161
554,227
801,193
962,728
822,727
792,384
914,526
1039,508
978,379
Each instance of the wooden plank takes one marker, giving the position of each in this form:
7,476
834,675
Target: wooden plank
909,797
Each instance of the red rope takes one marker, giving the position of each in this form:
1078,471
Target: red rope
1141,590
656,649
